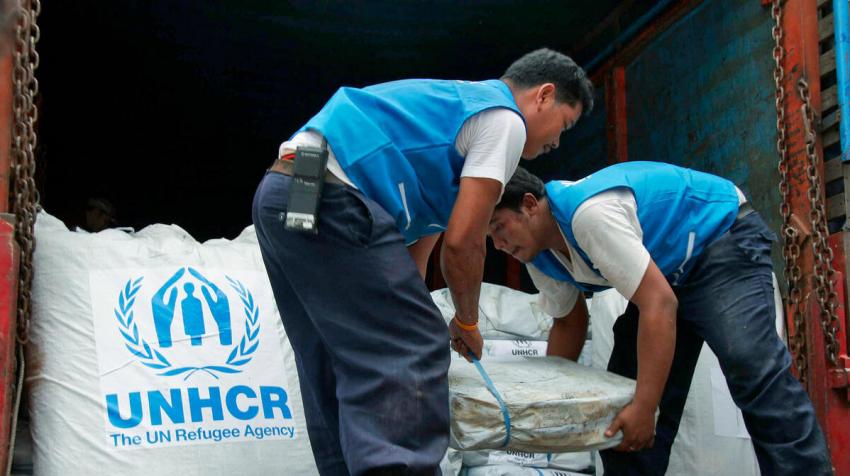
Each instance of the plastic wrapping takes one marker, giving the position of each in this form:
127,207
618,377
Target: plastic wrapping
513,326
555,405
510,470
579,461
503,313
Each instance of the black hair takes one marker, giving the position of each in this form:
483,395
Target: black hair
521,183
549,66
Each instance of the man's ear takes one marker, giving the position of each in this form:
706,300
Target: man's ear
545,94
530,203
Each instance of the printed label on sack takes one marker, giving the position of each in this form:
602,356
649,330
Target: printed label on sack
189,355
515,348
522,458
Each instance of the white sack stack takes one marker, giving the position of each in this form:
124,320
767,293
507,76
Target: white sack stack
151,353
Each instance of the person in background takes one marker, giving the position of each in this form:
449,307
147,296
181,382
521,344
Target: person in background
100,214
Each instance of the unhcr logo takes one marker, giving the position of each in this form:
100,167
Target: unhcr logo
524,348
195,323
199,374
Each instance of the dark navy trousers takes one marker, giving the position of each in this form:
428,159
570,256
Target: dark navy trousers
371,348
727,302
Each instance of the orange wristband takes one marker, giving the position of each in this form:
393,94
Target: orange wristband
466,327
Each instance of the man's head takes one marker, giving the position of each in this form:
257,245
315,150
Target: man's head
521,217
552,92
100,214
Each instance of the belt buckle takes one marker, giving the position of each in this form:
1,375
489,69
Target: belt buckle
285,165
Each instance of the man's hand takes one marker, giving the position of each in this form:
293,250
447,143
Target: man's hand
464,342
638,425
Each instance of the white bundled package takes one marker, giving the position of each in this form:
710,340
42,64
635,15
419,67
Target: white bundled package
511,470
151,353
513,326
575,461
503,313
554,405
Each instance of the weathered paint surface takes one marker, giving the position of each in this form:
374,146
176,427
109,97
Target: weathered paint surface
5,130
701,95
9,253
617,133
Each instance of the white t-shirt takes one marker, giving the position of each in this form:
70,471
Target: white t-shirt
607,228
491,142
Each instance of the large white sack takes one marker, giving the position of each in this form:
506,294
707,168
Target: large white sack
93,338
509,349
555,405
511,470
503,313
452,463
578,461
712,440
510,321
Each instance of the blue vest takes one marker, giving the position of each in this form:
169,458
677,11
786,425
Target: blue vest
396,142
681,211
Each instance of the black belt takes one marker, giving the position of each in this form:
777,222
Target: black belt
285,166
744,209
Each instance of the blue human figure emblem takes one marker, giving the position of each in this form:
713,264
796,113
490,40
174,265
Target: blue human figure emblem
219,306
163,309
193,315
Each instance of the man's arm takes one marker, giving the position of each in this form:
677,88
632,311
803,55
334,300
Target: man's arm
608,230
566,338
421,251
656,343
462,256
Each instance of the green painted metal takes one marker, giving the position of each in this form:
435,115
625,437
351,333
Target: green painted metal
701,95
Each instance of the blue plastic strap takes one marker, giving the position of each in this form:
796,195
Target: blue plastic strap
492,388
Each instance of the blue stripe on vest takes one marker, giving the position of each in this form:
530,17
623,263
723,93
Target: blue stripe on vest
396,142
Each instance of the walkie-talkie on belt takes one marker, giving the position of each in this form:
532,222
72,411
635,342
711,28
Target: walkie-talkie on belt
305,191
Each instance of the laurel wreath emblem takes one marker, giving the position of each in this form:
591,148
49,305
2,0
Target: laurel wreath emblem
241,354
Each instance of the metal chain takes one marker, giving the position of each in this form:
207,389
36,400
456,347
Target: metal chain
790,236
24,194
823,272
